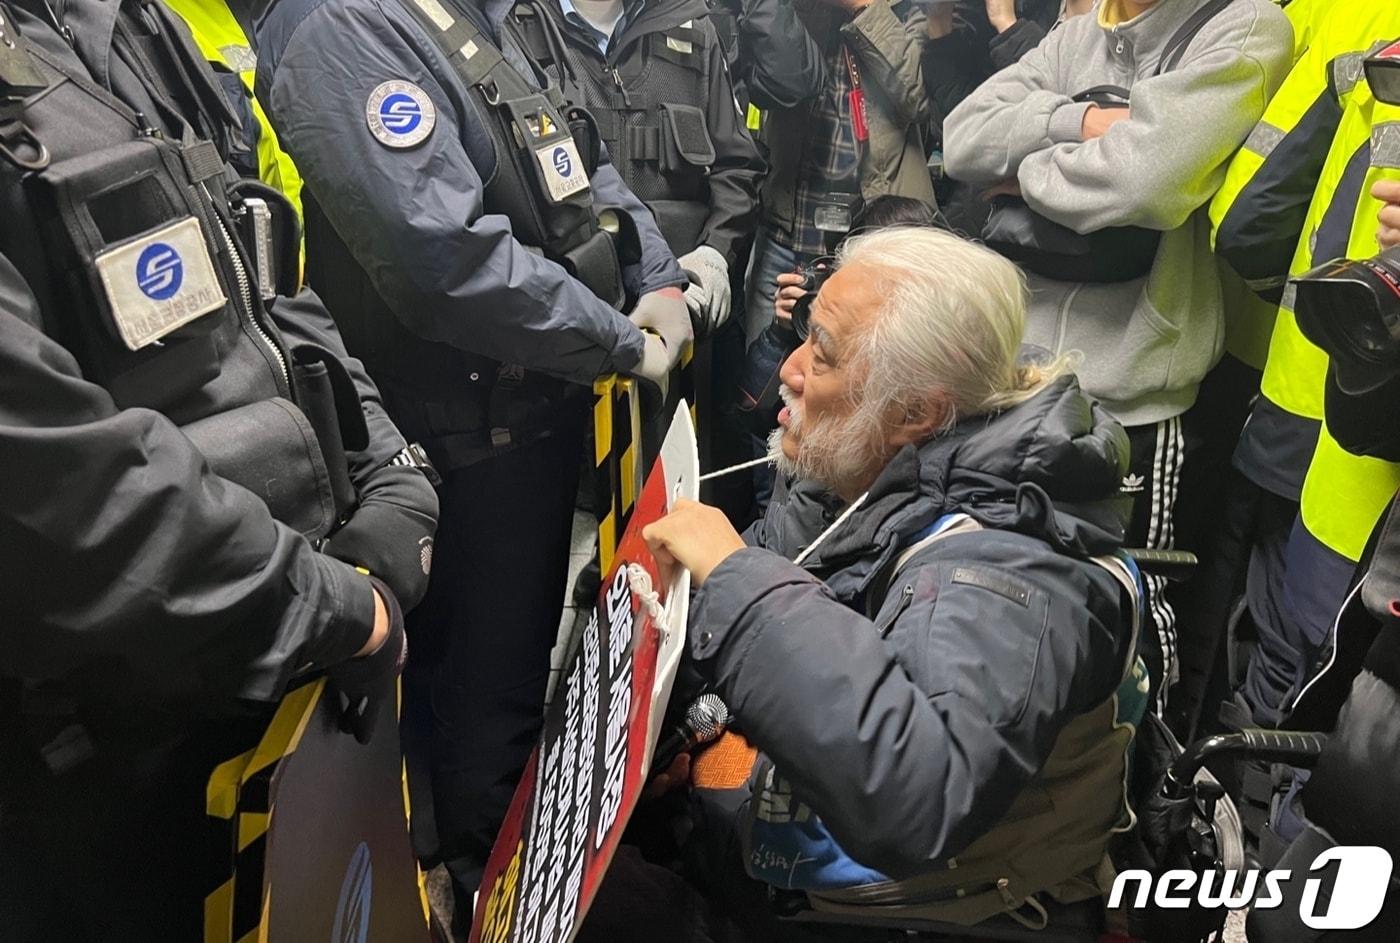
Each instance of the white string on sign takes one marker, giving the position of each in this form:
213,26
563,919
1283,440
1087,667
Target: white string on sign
801,557
736,468
639,581
810,547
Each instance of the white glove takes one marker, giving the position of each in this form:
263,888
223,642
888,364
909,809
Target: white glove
654,368
708,296
665,313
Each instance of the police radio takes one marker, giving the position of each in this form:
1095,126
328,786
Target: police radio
271,233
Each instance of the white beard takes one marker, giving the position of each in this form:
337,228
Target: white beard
837,453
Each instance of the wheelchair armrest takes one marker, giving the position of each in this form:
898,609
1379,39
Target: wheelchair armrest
1174,565
1296,748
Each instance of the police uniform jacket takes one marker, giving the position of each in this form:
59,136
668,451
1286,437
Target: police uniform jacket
413,217
665,107
159,506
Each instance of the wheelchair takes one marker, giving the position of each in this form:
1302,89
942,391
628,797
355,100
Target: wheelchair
1185,820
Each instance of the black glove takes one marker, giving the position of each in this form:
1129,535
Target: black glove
391,532
364,685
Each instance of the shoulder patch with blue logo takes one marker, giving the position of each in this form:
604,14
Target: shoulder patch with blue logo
400,114
562,170
158,282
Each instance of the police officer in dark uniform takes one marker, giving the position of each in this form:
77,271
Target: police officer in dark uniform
656,81
477,249
178,444
658,86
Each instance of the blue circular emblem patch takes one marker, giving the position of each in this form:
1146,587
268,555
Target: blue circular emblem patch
562,163
159,271
400,114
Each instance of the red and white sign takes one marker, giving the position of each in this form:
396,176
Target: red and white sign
583,780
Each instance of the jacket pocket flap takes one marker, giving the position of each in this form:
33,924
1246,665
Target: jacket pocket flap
688,134
270,448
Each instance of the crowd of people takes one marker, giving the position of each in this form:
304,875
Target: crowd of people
302,302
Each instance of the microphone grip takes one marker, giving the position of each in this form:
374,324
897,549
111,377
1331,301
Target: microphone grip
678,741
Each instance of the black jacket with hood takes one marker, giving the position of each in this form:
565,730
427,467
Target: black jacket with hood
910,731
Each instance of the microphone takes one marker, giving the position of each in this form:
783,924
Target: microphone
705,719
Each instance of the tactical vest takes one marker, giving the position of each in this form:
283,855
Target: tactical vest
464,407
130,241
649,107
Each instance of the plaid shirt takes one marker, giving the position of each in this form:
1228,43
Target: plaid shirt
832,160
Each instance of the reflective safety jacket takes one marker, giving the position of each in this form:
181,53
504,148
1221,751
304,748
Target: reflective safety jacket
1305,15
1344,494
223,41
1297,195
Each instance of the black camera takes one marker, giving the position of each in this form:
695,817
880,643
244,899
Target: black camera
814,276
758,390
1383,74
1351,309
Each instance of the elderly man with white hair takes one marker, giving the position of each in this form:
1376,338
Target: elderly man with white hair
927,638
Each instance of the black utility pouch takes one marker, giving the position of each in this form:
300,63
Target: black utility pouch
328,398
594,262
270,448
131,244
685,140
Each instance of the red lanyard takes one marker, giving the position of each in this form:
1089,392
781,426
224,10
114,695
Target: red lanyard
856,96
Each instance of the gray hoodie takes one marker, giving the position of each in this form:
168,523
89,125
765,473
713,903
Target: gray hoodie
1148,342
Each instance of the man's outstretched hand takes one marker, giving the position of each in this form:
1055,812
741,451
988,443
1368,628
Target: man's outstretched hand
695,536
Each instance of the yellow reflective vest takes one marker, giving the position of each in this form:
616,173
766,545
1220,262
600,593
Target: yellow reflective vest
1304,15
1257,214
1301,185
1344,494
221,40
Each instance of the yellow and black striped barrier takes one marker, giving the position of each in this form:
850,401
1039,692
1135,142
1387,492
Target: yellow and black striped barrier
621,456
318,839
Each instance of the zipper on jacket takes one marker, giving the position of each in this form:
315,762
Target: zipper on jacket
245,292
1118,49
58,19
906,599
617,80
899,899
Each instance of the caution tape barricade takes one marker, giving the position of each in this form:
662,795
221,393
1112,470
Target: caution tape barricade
622,450
318,833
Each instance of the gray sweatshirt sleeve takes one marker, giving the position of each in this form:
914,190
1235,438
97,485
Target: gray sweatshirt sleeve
1015,113
414,217
1164,162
